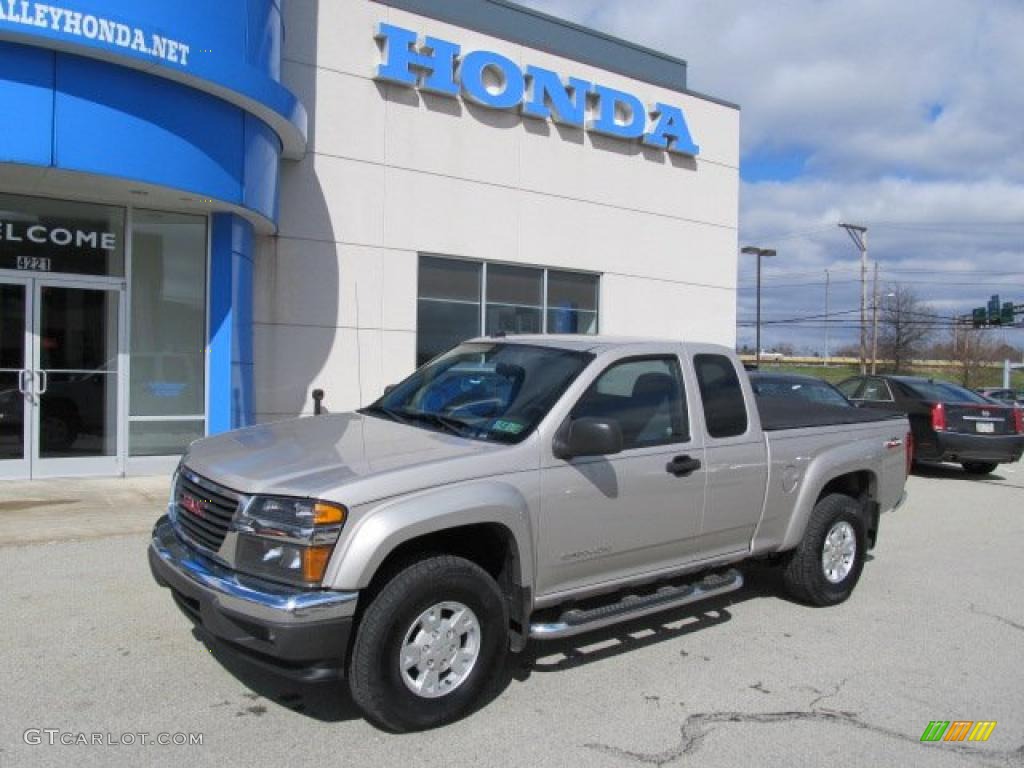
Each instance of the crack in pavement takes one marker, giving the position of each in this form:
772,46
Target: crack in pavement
1002,619
697,727
831,695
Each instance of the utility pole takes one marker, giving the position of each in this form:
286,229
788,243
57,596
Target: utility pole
859,235
760,253
827,287
874,324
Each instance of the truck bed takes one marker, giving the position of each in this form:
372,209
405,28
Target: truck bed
784,413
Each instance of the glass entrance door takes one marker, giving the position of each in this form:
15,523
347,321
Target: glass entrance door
15,371
68,390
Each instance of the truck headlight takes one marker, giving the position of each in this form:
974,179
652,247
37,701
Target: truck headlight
288,539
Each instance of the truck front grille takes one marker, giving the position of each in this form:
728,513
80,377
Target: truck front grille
204,510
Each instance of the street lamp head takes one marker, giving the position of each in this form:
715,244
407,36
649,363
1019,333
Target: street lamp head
755,251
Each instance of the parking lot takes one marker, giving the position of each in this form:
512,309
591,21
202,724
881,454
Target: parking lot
935,631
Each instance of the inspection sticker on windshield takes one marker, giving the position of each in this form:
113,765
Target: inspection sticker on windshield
512,427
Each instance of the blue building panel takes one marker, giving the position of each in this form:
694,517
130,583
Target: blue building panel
26,104
230,402
261,172
227,44
118,122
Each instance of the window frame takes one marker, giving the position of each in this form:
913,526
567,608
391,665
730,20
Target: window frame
544,307
672,360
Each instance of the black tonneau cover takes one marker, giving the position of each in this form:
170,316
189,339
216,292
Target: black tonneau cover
790,413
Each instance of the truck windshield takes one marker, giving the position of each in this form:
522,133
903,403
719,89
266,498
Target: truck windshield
483,390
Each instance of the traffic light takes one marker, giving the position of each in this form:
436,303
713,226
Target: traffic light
979,317
1006,316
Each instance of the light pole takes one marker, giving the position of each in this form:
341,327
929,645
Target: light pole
859,235
759,252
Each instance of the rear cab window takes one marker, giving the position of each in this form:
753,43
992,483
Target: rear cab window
725,408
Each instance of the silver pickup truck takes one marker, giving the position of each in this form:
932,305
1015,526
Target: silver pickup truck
514,488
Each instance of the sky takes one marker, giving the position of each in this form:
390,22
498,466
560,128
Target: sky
905,117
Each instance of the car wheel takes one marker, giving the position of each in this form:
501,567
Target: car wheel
431,646
827,564
979,467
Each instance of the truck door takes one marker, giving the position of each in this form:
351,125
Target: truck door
737,466
611,517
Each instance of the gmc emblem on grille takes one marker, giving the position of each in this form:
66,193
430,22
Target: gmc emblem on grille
193,505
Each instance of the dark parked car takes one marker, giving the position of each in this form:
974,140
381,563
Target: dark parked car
949,422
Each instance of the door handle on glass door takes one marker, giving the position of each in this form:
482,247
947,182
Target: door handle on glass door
681,466
21,380
44,382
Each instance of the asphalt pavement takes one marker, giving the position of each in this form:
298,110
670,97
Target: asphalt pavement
935,631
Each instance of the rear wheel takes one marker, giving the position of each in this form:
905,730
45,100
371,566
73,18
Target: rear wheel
431,646
826,566
979,467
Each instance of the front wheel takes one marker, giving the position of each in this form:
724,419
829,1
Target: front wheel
979,467
826,566
431,645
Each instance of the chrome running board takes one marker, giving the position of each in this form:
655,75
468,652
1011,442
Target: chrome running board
577,621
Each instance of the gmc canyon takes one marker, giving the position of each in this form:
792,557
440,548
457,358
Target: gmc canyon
512,489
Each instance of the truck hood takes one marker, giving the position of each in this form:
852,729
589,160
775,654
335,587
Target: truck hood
361,458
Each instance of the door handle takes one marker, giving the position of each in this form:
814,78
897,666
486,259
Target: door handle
21,380
681,466
44,382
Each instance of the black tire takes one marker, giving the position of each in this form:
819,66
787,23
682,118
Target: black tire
375,677
804,573
979,467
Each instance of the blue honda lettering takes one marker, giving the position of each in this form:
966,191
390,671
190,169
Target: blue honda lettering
610,101
495,81
510,82
551,98
671,132
436,60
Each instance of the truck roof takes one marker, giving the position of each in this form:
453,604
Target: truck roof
576,342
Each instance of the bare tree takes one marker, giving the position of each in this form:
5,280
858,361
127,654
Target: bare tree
971,348
905,324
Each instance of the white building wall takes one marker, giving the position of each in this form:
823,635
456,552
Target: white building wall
392,172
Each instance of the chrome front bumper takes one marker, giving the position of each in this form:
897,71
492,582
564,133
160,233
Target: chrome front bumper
277,623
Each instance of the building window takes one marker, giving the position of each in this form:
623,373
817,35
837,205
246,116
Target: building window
448,309
460,299
572,302
515,302
168,322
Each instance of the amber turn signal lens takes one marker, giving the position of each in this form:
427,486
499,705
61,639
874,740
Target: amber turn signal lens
328,514
314,563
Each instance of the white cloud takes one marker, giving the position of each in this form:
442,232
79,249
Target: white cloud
856,87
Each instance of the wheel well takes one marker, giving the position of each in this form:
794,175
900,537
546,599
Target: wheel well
863,488
490,545
857,485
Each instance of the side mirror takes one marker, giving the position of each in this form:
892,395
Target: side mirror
588,437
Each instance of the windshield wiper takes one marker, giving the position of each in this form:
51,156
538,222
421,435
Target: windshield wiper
447,423
389,413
